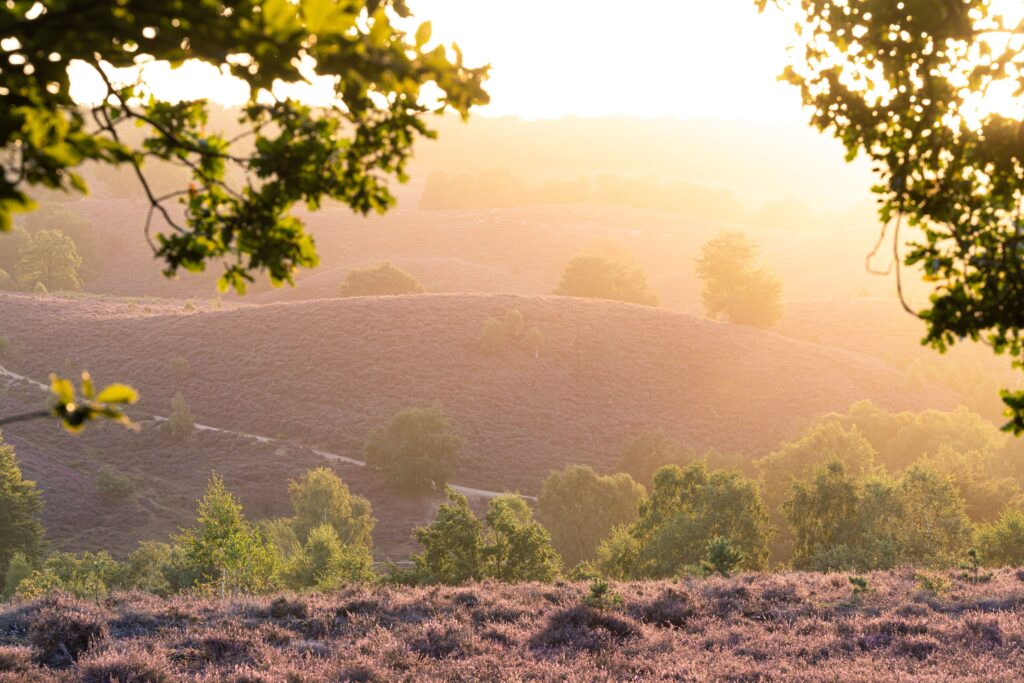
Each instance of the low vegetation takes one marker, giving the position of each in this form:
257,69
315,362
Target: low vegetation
382,280
597,277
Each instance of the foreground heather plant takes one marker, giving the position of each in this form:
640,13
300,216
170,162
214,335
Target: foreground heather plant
748,627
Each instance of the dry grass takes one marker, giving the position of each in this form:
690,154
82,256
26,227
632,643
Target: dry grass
749,628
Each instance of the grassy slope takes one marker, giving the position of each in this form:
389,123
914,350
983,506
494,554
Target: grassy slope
328,371
750,628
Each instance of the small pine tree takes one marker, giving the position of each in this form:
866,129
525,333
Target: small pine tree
601,596
722,557
18,569
180,424
181,370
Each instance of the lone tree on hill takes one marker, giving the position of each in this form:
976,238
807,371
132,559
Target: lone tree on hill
906,85
416,450
50,258
348,150
734,286
596,277
382,280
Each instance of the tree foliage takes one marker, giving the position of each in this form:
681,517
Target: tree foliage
596,277
223,550
518,548
20,508
905,84
416,450
382,280
734,286
840,521
289,153
51,259
324,562
580,508
320,497
686,510
181,426
453,546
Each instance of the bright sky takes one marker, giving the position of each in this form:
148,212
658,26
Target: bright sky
551,58
686,58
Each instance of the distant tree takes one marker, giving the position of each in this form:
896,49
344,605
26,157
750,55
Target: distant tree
580,508
518,548
595,277
324,562
453,545
320,497
51,259
975,475
60,216
686,510
732,284
13,243
649,451
7,281
20,509
180,424
1001,543
223,550
382,280
416,450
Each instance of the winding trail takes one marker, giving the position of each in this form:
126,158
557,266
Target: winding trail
467,491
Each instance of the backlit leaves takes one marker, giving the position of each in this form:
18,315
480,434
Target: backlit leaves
74,410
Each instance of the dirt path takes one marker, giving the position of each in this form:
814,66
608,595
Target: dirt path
326,455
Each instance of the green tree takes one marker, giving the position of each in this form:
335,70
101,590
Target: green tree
51,259
901,84
732,284
223,550
840,521
453,545
20,509
580,508
347,151
595,277
320,497
325,562
114,485
416,450
686,510
518,548
146,566
382,280
180,424
1001,542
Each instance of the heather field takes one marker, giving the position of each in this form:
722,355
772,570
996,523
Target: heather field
748,628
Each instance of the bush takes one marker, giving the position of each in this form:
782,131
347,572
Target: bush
416,450
113,485
584,628
498,337
180,424
320,497
453,548
382,280
18,569
722,557
1001,543
7,281
189,307
181,370
40,289
324,563
64,630
595,277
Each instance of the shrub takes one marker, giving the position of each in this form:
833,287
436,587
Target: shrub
935,584
64,630
7,282
114,485
189,307
39,289
416,450
324,563
133,665
381,280
672,608
146,568
1001,543
601,596
722,557
18,569
180,425
181,370
453,549
584,628
649,451
519,548
498,337
596,277
492,338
